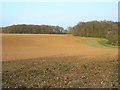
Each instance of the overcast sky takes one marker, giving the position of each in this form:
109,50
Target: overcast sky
64,14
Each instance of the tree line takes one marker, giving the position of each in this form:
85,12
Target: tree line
33,29
98,29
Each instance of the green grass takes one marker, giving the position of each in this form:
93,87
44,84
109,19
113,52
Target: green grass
104,42
85,66
64,67
98,42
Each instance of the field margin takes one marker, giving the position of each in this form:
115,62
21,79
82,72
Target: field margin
98,42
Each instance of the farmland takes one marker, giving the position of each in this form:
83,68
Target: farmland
51,60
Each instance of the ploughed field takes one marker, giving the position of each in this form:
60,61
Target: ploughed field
47,61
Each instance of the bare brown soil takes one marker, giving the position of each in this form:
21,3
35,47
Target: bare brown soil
50,61
34,46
